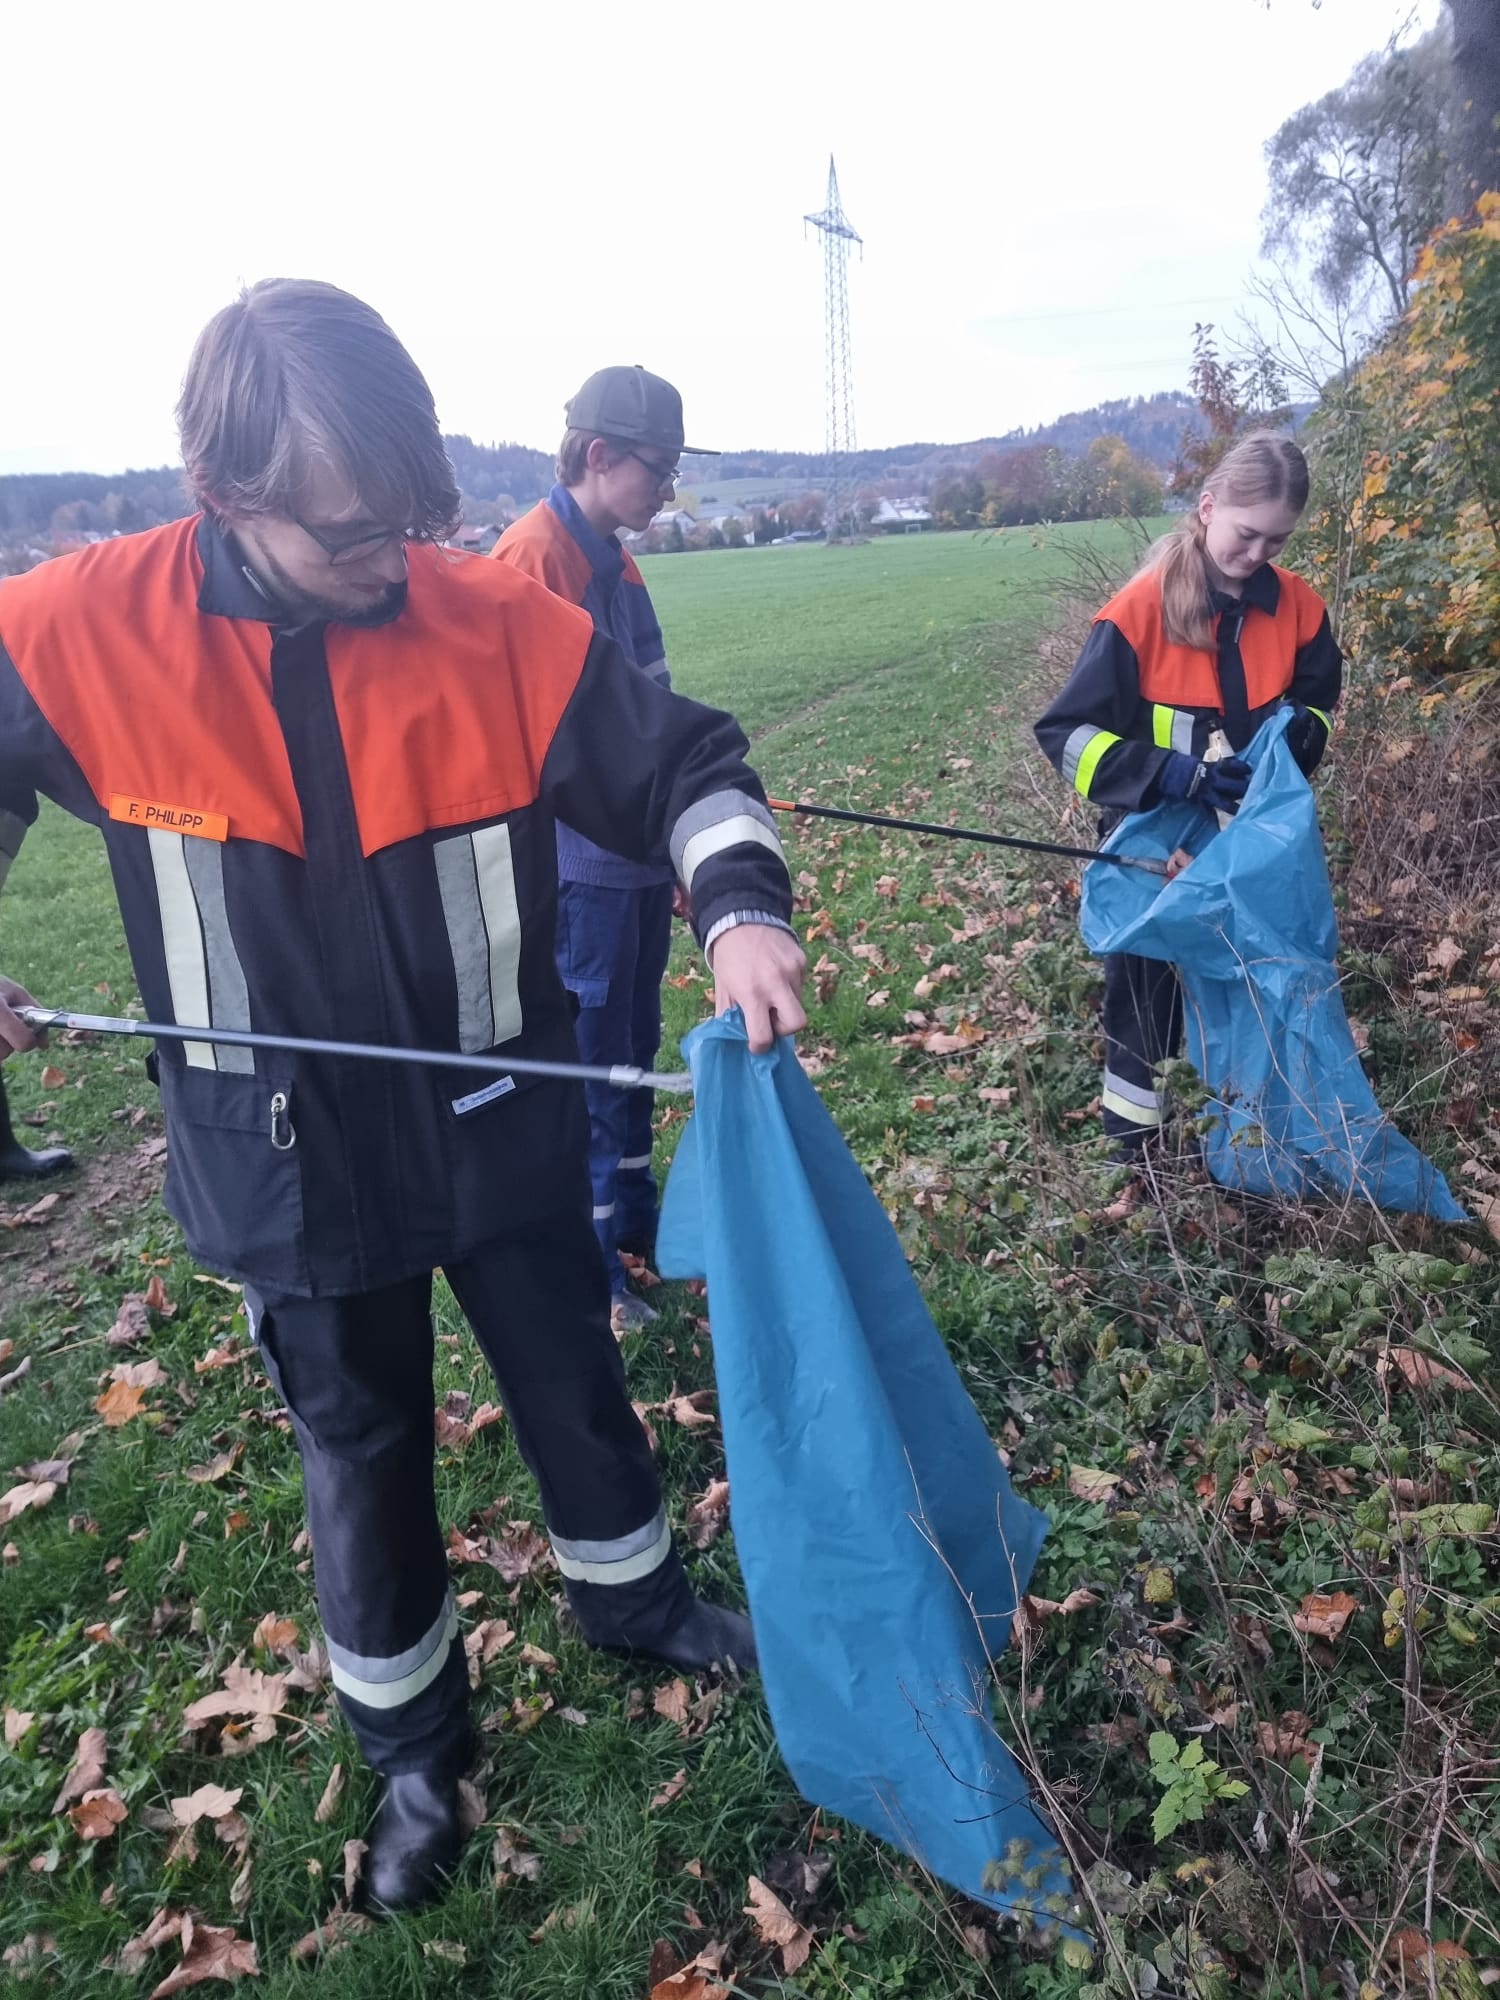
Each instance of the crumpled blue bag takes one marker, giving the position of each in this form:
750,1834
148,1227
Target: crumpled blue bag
882,1548
1250,927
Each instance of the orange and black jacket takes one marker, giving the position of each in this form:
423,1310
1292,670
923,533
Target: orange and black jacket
1135,695
347,832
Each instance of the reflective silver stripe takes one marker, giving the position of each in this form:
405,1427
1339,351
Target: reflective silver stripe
1129,1101
635,1160
1182,731
1078,741
718,809
390,1682
1134,1093
230,997
603,1214
477,882
182,940
656,669
502,925
728,833
624,1560
12,833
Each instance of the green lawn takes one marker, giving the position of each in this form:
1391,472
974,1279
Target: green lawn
1122,1360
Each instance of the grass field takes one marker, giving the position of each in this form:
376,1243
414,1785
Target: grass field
1199,1455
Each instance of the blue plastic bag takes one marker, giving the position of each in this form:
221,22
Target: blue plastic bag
882,1548
1250,927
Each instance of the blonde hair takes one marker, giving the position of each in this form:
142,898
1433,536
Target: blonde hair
573,454
1260,468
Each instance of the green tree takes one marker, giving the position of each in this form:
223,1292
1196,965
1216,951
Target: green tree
1356,179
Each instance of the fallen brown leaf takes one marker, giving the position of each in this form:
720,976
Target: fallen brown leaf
1287,1738
1324,1616
333,1791
17,1374
337,1929
218,1467
208,1802
131,1323
1421,1371
510,1857
246,1691
209,1951
671,1701
147,1374
354,1862
534,1656
674,1788
120,1402
156,1297
163,1927
775,1925
275,1633
471,1806
31,1493
98,1813
708,1513
87,1774
17,1722
1087,1482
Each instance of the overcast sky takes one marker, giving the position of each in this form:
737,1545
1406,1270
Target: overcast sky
1050,195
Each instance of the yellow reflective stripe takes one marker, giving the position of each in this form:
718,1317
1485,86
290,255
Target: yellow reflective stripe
1326,720
1088,761
1161,725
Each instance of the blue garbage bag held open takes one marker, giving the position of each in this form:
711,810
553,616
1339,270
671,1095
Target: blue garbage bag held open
1250,927
882,1548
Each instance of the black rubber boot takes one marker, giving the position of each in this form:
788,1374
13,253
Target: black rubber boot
414,1844
18,1162
710,1636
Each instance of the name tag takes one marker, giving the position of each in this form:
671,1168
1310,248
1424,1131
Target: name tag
171,819
487,1096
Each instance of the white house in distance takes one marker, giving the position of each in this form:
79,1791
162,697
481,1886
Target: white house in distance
901,517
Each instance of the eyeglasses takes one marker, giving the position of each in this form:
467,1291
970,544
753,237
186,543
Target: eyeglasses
340,552
666,475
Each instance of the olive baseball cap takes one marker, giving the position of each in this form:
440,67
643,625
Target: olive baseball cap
633,405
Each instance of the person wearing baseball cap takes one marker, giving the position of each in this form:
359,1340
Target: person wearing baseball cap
617,465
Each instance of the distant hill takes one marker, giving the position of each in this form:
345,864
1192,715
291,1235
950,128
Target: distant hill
52,505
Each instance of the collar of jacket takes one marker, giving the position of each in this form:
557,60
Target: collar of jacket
229,589
1262,592
606,557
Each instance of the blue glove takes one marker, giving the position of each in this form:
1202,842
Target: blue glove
1306,738
1220,787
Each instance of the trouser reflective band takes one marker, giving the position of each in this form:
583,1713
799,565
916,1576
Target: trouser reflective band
1129,1101
387,1683
625,1559
1142,1027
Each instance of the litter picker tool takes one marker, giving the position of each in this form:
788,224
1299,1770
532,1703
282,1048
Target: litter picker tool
967,833
623,1076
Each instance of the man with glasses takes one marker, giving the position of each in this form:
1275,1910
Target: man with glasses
616,466
326,756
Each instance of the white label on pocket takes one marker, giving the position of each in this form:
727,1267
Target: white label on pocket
486,1096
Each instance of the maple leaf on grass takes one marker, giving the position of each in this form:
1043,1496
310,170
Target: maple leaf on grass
87,1774
131,1322
708,1513
98,1813
339,1928
209,1951
275,1633
208,1802
674,1788
18,1722
120,1402
31,1493
246,1692
775,1925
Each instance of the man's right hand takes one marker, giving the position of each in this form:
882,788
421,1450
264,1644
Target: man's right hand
15,1035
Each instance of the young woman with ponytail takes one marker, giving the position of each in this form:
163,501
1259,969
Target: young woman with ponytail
1182,666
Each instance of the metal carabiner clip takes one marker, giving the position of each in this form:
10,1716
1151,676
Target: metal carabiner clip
283,1132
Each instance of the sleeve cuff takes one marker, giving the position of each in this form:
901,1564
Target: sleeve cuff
737,917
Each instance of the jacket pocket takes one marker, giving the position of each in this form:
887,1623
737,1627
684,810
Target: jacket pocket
234,1171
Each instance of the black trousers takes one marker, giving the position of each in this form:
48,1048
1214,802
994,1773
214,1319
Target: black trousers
1142,1027
356,1375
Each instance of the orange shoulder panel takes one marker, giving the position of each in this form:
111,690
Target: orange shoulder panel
540,546
448,712
153,699
1136,609
1310,608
